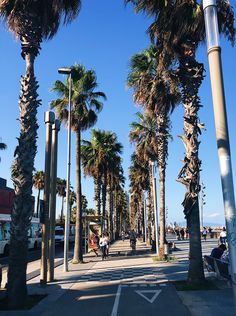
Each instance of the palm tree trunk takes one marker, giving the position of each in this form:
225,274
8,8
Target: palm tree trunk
38,201
149,206
104,197
97,193
22,172
162,211
62,208
78,250
191,76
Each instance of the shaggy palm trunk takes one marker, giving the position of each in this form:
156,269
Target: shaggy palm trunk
117,217
162,158
162,212
149,206
104,198
78,247
38,201
191,76
62,208
23,166
97,195
108,204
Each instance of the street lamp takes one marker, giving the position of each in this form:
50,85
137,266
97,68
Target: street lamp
203,195
155,206
67,71
222,136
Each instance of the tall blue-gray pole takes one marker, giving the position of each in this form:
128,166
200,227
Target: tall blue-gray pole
222,135
49,118
52,201
67,71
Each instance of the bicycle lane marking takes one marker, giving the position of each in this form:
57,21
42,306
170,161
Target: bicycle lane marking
116,303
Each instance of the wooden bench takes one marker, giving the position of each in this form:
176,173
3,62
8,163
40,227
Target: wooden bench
221,268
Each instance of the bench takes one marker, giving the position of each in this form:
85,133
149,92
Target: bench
221,268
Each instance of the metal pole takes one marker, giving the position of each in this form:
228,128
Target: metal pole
145,220
49,118
155,208
52,202
67,215
222,135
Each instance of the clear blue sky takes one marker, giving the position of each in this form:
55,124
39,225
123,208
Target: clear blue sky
104,37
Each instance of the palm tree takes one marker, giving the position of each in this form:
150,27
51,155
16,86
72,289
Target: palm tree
61,191
2,147
31,22
157,91
99,157
179,28
92,165
139,183
38,183
86,105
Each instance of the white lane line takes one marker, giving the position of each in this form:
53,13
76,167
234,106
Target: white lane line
116,303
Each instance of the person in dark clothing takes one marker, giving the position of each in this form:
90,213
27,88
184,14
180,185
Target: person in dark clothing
218,251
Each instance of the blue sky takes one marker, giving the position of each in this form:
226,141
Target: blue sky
104,37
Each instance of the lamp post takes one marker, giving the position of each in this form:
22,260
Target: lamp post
203,195
49,118
222,136
155,206
67,71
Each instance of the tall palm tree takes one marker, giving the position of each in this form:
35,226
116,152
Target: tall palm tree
31,22
139,183
38,183
157,91
100,156
3,146
92,165
86,105
61,191
179,28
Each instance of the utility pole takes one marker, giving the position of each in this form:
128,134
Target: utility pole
52,203
49,118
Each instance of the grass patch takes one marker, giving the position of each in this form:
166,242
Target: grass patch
186,286
31,301
160,258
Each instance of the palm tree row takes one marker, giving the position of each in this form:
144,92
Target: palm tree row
177,30
101,160
86,105
157,92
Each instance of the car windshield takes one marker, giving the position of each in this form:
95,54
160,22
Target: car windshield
59,232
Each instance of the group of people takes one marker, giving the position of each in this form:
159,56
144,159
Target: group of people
221,252
182,233
101,243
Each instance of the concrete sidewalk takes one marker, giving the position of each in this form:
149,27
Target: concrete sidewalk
77,291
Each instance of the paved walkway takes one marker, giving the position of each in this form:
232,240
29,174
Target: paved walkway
127,283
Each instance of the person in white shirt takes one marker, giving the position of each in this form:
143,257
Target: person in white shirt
103,246
223,236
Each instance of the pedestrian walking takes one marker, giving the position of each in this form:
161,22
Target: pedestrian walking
204,233
123,235
94,242
103,246
182,233
223,236
108,243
